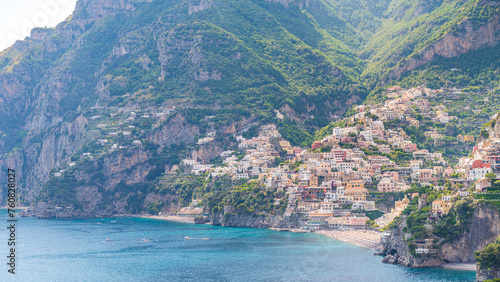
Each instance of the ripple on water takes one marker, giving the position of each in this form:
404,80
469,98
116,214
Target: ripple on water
69,250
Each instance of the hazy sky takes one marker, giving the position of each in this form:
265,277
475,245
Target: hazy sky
18,17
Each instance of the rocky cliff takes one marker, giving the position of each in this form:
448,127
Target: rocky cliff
254,221
115,57
42,153
484,229
487,274
176,131
228,62
396,250
466,37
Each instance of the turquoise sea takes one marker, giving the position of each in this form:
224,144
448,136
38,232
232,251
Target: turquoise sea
153,250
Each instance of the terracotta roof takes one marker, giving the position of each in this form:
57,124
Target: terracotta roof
479,164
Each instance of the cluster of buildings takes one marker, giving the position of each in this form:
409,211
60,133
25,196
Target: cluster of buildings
485,159
328,184
399,207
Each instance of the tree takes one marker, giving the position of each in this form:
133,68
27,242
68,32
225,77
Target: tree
419,232
489,256
490,176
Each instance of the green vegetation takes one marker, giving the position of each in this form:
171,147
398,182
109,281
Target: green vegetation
456,222
477,69
294,134
253,55
414,25
239,60
247,198
489,257
252,132
372,215
183,187
61,192
448,226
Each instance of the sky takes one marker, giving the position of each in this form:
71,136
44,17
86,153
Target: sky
18,17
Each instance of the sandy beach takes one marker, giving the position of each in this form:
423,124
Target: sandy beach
170,218
459,266
363,238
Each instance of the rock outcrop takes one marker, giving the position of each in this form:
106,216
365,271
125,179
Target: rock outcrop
396,251
466,37
254,221
177,130
484,229
487,274
300,3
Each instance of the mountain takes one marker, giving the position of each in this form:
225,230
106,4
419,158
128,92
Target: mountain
419,33
185,69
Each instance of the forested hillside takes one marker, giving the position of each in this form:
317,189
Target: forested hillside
205,67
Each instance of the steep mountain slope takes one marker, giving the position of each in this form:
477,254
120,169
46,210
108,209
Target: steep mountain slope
418,32
139,55
223,65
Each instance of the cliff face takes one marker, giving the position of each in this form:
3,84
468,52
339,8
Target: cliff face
483,274
144,54
176,131
396,251
288,2
226,60
132,166
484,229
42,154
467,37
494,130
253,221
31,87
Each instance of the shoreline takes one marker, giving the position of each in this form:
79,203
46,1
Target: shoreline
174,218
369,240
362,238
365,238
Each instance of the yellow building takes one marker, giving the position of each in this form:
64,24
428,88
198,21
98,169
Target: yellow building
318,215
356,189
285,145
465,138
357,194
469,138
355,184
441,207
313,181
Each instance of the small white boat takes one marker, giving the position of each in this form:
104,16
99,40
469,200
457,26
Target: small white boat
205,238
109,240
187,237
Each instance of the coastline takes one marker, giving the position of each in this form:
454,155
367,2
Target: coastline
371,240
174,218
362,238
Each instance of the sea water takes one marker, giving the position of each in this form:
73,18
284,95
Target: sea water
132,249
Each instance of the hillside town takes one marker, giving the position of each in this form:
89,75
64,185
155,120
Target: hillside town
357,176
336,183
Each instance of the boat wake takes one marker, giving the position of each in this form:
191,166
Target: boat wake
189,238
